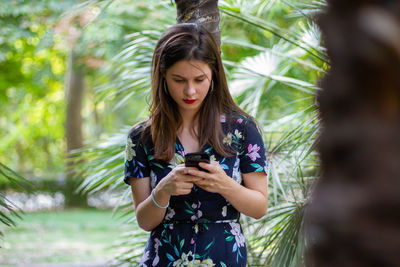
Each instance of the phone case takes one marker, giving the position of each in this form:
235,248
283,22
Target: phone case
193,159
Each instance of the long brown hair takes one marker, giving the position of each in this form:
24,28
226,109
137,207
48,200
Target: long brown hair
188,41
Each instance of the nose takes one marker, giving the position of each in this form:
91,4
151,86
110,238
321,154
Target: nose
190,89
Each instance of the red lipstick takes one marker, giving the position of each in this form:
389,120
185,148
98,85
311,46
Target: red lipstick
189,101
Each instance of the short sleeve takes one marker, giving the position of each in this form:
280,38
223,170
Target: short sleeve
252,154
136,163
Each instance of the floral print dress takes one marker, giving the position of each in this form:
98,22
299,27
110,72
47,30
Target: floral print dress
201,228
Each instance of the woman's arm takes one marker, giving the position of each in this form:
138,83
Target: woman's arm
250,199
148,215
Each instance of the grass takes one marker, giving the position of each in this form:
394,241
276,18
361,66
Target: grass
66,236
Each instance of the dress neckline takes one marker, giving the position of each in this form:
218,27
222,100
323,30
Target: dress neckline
181,148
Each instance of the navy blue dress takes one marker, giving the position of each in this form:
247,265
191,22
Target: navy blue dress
201,228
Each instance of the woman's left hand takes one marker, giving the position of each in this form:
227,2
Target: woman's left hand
215,180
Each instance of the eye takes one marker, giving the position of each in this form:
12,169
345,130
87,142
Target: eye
200,80
179,81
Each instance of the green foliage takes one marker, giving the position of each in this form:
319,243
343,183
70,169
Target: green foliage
31,86
8,211
277,86
34,40
101,41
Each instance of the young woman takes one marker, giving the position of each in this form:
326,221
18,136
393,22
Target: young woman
193,215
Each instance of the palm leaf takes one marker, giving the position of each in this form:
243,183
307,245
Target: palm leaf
132,67
9,211
275,52
277,239
280,33
101,163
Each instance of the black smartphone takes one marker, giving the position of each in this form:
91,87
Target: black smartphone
193,159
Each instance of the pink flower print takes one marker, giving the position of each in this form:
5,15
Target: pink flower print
192,241
240,120
157,258
222,118
145,257
237,233
253,152
157,244
170,213
194,217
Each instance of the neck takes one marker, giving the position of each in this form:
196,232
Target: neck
189,121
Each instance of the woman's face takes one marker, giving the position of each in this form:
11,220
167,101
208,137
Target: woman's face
188,83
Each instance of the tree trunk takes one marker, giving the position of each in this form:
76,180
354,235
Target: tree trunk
353,218
74,97
73,127
203,12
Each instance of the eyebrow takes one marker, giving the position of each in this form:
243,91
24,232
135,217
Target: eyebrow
197,77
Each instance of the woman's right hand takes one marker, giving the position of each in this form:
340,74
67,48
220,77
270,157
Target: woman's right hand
148,213
177,182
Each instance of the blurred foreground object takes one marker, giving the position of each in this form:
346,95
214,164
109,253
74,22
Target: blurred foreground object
353,218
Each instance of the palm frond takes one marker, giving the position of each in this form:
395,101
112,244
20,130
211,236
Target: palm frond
9,211
255,76
281,33
288,56
132,69
277,239
307,9
101,163
304,132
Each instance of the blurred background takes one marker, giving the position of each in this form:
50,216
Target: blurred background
75,75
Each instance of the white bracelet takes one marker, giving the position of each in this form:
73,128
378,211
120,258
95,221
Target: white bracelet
155,202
